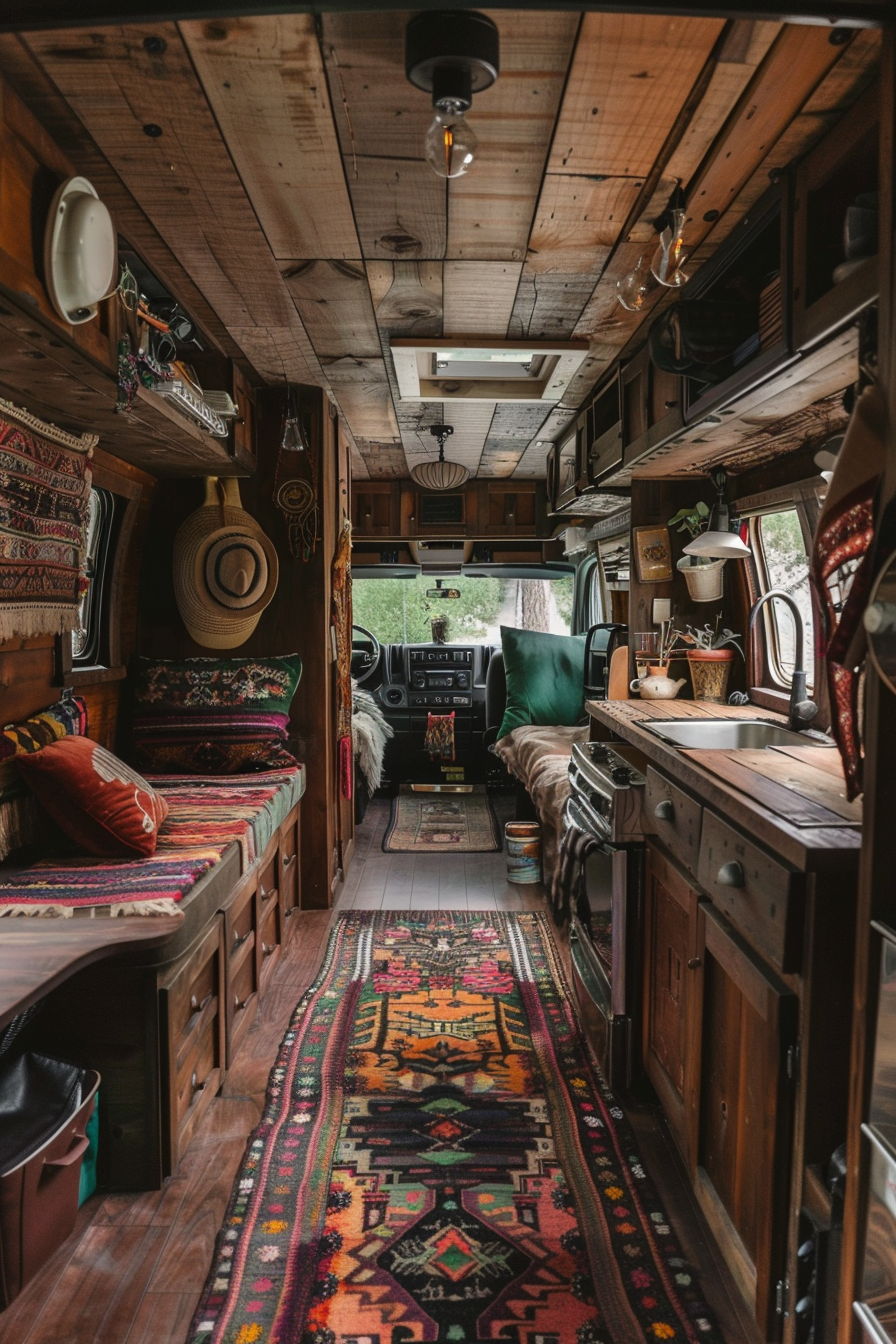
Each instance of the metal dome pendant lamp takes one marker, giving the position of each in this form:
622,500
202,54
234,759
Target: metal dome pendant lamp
440,475
451,54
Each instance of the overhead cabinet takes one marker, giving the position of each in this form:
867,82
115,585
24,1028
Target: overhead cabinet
397,510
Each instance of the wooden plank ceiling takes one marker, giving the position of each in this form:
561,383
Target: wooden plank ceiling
289,183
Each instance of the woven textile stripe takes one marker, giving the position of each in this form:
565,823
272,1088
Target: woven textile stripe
204,817
44,495
438,1160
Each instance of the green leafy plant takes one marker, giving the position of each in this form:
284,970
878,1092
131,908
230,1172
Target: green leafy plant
693,521
709,637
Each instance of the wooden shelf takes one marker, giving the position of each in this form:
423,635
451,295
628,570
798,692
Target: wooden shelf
42,369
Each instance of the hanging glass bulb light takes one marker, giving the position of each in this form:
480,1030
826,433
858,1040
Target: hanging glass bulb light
451,54
293,438
450,142
670,255
632,289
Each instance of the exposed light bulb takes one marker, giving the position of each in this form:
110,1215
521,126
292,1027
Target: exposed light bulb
632,289
670,255
450,142
293,438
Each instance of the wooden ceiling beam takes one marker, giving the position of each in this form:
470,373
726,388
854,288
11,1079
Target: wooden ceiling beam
265,82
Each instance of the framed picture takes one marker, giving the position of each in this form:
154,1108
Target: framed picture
653,554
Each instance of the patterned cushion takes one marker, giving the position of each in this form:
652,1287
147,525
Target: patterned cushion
211,744
98,801
214,716
210,685
64,719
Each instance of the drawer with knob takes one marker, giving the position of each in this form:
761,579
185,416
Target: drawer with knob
290,896
762,897
240,1001
673,816
191,1006
269,941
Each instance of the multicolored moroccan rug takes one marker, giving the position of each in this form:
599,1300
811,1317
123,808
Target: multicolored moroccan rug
441,823
438,1159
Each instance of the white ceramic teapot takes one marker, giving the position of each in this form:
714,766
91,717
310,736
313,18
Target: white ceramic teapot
656,684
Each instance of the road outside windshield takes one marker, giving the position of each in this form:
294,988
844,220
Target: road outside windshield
398,611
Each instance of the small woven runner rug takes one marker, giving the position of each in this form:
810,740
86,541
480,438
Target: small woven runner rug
441,823
438,1159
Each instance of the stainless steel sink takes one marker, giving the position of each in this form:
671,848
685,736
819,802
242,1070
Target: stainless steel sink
725,734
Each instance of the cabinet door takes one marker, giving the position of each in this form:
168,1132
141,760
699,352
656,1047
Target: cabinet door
743,1179
672,991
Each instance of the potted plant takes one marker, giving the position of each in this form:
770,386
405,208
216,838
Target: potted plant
702,575
710,655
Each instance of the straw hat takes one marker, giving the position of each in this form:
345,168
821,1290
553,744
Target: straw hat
80,251
225,569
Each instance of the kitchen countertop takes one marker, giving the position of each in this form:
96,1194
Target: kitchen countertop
791,799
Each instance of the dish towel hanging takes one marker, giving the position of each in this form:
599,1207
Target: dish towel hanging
439,740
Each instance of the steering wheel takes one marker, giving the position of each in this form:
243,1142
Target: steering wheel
364,660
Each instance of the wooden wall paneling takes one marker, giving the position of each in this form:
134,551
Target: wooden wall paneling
478,297
43,98
184,180
31,168
342,505
512,429
407,297
334,303
490,209
399,205
265,81
879,732
576,225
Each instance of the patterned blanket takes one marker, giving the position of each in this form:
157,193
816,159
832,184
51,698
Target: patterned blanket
44,497
205,816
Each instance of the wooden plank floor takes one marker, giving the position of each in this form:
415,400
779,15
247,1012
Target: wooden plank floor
133,1268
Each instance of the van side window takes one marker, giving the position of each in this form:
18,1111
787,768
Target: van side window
87,638
781,561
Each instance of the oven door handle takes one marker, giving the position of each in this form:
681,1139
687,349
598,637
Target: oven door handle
579,817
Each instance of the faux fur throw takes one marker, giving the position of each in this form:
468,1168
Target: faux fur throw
370,732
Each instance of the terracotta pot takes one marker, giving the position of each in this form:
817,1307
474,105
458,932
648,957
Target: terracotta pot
710,670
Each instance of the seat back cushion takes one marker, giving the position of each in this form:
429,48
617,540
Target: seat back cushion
100,803
545,678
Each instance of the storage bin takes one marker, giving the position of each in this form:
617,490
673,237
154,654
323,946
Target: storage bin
44,1108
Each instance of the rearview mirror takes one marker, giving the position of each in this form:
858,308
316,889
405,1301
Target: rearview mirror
443,592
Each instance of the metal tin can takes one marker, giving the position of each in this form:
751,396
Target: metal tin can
522,845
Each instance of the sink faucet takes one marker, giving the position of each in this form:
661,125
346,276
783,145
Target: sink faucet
802,710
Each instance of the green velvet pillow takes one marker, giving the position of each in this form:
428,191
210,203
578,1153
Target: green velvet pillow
545,678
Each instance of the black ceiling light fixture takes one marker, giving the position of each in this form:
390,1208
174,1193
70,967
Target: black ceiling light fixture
440,475
451,54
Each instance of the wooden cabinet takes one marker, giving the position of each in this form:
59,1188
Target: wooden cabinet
720,1038
744,1136
840,175
672,996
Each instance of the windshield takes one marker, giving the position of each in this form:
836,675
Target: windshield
398,611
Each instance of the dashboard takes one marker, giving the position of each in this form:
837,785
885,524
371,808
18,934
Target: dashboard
423,679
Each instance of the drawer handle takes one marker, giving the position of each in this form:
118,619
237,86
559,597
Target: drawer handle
267,949
732,874
238,1004
238,941
665,811
196,1087
268,895
694,963
197,1010
288,861
288,914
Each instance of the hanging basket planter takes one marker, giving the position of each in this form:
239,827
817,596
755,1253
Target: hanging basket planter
704,581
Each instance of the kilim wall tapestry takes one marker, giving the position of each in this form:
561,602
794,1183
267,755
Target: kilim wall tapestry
439,1160
44,496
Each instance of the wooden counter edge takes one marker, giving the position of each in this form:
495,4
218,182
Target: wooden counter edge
805,848
37,953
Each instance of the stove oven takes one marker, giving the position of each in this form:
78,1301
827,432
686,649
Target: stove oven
606,930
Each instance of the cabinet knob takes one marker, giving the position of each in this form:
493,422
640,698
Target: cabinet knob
665,811
732,874
694,963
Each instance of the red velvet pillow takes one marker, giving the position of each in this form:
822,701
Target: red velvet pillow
98,801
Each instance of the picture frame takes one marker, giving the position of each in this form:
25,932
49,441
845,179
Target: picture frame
653,554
